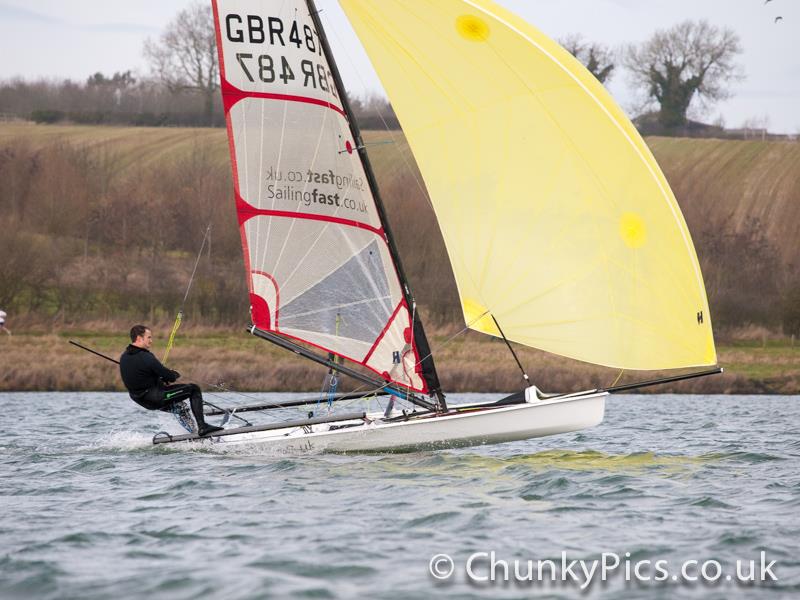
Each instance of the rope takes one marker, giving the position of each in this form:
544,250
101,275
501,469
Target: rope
223,388
235,408
514,354
231,413
616,381
179,316
175,326
411,168
331,379
334,381
413,345
452,337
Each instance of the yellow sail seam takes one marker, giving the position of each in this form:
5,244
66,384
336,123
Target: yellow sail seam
587,268
617,124
387,37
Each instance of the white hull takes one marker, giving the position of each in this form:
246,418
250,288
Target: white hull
503,424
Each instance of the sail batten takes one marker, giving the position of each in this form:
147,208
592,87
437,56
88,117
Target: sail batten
319,263
552,208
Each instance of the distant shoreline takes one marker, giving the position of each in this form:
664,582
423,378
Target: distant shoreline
470,363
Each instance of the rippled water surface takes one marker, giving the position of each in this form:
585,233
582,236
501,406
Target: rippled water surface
90,509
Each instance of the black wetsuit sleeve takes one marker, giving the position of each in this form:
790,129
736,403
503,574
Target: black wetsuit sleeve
163,372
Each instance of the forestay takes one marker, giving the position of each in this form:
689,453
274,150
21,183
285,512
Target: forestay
557,219
320,269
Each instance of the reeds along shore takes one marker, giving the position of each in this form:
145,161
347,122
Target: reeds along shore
469,362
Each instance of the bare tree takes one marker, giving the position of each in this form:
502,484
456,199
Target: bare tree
120,80
597,58
185,56
373,111
27,261
756,127
691,60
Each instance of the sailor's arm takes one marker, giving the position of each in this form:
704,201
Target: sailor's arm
167,375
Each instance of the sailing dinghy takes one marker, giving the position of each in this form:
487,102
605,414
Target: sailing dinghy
561,229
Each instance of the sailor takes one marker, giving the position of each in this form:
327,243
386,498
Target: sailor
3,316
151,384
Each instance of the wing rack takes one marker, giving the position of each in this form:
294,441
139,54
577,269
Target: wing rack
166,438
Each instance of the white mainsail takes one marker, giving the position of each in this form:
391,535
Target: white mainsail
319,264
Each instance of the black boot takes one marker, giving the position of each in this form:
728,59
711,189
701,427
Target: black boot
196,402
204,429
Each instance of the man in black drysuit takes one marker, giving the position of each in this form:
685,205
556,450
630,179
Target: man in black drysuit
150,384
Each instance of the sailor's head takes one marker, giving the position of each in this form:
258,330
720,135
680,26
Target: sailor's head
141,336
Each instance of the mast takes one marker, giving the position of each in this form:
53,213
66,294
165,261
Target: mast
419,337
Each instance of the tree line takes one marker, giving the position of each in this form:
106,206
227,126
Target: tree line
690,65
118,99
122,99
89,236
85,239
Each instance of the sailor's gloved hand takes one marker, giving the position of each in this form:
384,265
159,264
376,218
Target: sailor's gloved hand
173,375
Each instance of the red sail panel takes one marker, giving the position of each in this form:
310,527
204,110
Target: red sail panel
318,264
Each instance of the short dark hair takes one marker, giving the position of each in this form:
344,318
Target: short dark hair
137,331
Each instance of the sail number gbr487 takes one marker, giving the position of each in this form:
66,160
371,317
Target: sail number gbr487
292,52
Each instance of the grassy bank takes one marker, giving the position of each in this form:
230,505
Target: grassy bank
468,363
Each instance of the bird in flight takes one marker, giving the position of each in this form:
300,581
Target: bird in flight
778,19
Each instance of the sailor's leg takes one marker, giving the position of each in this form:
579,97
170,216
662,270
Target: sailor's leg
196,402
178,392
182,391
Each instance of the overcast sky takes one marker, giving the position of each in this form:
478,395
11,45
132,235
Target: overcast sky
75,38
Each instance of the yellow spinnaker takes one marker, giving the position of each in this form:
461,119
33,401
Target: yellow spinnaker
557,219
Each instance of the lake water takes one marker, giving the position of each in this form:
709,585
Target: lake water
90,509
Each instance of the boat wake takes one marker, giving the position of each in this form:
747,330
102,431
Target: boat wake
122,440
